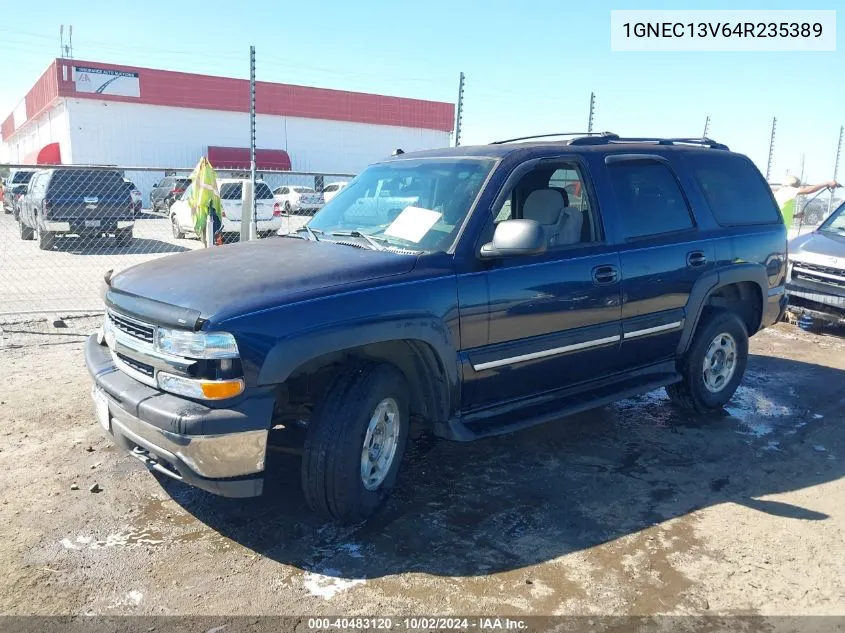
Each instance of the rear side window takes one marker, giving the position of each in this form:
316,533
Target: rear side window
21,177
182,183
230,191
736,192
78,182
262,191
649,198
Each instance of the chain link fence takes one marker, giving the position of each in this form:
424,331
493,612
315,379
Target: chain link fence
63,227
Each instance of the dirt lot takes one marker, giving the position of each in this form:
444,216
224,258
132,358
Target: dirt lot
631,509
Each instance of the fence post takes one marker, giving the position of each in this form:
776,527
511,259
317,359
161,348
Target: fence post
835,169
209,228
247,223
459,115
253,230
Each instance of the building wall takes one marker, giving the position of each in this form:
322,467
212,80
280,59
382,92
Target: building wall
51,126
134,134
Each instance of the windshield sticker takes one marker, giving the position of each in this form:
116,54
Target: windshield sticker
413,223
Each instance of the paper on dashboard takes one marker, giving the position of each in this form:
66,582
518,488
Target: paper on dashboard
413,223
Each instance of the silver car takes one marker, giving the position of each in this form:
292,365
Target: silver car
815,279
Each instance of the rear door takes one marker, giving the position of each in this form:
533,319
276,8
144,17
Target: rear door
231,196
662,253
88,196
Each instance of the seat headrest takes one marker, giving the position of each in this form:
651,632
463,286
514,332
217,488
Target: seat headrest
543,206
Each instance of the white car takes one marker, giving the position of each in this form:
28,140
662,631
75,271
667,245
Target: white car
297,199
136,195
332,189
268,216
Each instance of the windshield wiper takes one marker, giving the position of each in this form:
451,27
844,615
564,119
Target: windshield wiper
312,233
377,246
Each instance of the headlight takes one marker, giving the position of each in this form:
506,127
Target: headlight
199,388
196,344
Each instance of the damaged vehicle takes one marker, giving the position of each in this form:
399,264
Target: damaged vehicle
463,292
815,282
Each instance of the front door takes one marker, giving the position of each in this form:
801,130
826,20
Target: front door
537,325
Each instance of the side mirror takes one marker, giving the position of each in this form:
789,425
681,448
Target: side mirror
514,238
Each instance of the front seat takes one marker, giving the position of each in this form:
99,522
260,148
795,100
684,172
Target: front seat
545,206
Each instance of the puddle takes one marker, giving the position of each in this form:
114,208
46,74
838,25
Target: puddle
755,411
114,540
328,586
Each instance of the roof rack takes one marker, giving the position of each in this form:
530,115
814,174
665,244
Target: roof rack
701,141
577,134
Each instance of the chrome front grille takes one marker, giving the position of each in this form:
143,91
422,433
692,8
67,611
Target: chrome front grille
819,274
136,329
144,368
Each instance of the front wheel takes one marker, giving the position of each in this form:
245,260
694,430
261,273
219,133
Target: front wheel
355,442
714,365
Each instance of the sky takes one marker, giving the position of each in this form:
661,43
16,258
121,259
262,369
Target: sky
530,67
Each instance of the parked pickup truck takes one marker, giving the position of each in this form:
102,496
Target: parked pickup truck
492,303
816,277
84,202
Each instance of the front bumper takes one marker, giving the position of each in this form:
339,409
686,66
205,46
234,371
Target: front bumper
222,451
815,302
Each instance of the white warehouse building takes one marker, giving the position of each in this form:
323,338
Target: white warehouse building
90,113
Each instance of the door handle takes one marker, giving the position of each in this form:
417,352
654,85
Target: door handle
603,275
696,259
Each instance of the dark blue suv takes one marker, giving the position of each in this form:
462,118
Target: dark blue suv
466,291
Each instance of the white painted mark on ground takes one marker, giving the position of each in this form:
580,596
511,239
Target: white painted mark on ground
327,586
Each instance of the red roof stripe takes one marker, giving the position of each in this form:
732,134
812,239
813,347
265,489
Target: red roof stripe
188,90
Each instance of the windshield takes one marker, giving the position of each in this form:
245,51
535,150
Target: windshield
302,189
410,204
836,222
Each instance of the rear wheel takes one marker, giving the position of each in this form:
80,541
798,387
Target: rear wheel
714,365
123,236
174,226
26,232
355,442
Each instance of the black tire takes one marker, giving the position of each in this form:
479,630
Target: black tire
692,392
26,232
174,226
46,239
332,459
123,237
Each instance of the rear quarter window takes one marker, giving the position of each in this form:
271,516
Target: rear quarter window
262,192
86,183
734,189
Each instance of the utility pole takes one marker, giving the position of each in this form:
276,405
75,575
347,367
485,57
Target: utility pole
801,177
706,127
592,112
460,112
835,167
771,148
61,40
253,232
70,39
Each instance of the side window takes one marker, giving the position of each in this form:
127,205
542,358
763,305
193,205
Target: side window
649,198
734,189
555,197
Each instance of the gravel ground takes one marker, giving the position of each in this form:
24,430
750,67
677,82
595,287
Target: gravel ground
634,508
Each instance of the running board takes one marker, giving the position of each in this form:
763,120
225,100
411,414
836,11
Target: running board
462,432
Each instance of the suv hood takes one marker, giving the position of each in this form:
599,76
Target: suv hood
236,279
823,249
